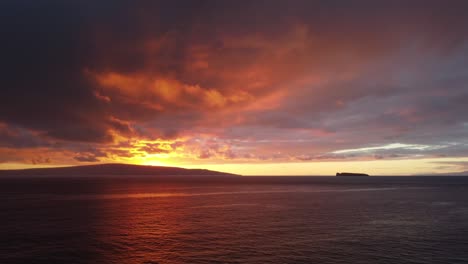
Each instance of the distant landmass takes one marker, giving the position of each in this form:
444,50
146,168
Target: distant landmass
114,169
350,174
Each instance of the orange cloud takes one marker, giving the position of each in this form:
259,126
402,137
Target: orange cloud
166,94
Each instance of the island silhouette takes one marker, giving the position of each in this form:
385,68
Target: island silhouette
350,174
114,169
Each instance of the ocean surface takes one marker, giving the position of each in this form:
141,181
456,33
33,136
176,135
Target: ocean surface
239,220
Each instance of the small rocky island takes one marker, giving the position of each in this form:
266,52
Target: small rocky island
350,174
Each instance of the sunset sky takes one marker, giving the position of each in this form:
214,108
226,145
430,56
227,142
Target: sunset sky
251,87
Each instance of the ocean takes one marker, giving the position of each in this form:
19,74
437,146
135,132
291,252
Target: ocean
138,220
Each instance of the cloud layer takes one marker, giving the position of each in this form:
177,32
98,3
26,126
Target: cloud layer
249,81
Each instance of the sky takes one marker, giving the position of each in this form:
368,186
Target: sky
251,87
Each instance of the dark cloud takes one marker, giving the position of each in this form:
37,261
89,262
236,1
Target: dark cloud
86,158
15,137
40,160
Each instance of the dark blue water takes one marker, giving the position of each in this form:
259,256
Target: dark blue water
245,220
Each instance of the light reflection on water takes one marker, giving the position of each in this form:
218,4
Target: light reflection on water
188,194
321,221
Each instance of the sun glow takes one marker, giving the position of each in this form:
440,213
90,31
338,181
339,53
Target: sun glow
147,152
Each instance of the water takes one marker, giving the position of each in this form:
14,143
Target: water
245,220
